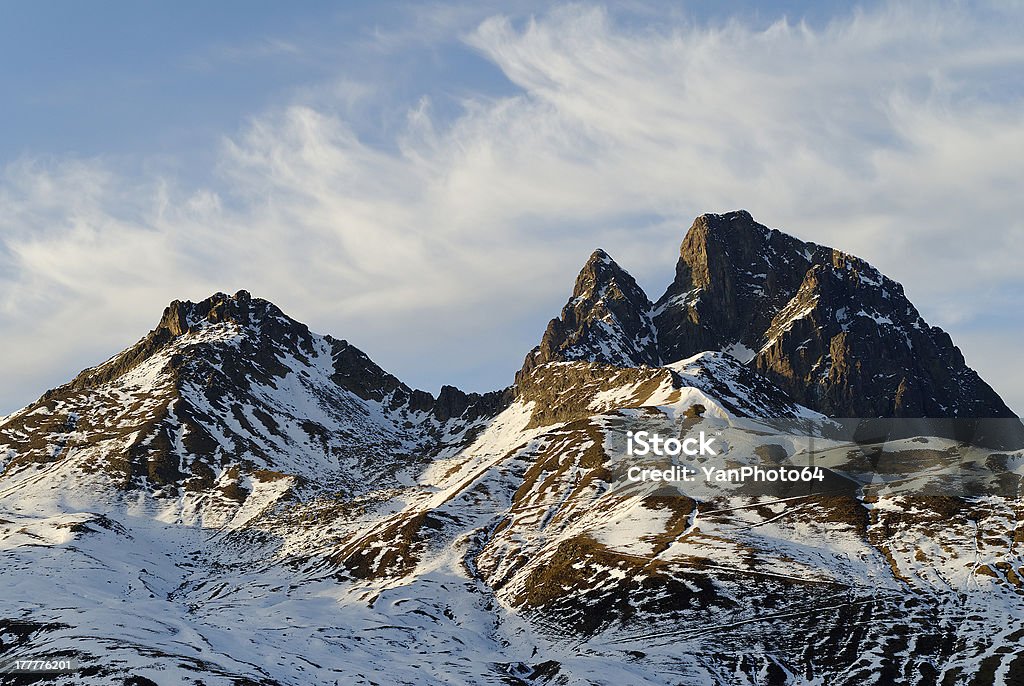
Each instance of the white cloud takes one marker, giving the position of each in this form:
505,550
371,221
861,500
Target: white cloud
894,133
263,49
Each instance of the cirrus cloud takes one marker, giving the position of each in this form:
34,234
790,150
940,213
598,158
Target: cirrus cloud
893,133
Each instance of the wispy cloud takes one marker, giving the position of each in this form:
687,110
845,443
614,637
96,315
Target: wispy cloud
893,133
267,48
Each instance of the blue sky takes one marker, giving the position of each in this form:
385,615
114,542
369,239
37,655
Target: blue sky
152,83
146,78
438,172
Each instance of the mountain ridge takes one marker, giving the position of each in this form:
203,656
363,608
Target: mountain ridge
238,500
742,286
825,329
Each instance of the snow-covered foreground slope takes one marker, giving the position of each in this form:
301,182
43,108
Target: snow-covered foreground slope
515,561
239,501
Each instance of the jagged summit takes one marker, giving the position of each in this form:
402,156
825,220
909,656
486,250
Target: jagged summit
606,320
260,335
733,274
218,313
826,327
182,316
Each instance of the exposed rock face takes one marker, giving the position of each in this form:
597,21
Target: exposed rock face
826,327
850,343
453,403
607,320
733,275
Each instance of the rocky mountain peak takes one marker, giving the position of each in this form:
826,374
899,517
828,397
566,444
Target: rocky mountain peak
232,385
827,327
263,327
602,280
599,270
606,320
733,274
184,316
709,242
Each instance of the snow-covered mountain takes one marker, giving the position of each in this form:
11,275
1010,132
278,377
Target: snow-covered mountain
237,500
226,397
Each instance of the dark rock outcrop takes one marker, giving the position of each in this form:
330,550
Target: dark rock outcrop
732,277
826,327
850,344
453,403
607,320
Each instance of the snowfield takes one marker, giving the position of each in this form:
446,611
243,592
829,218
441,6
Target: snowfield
241,507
